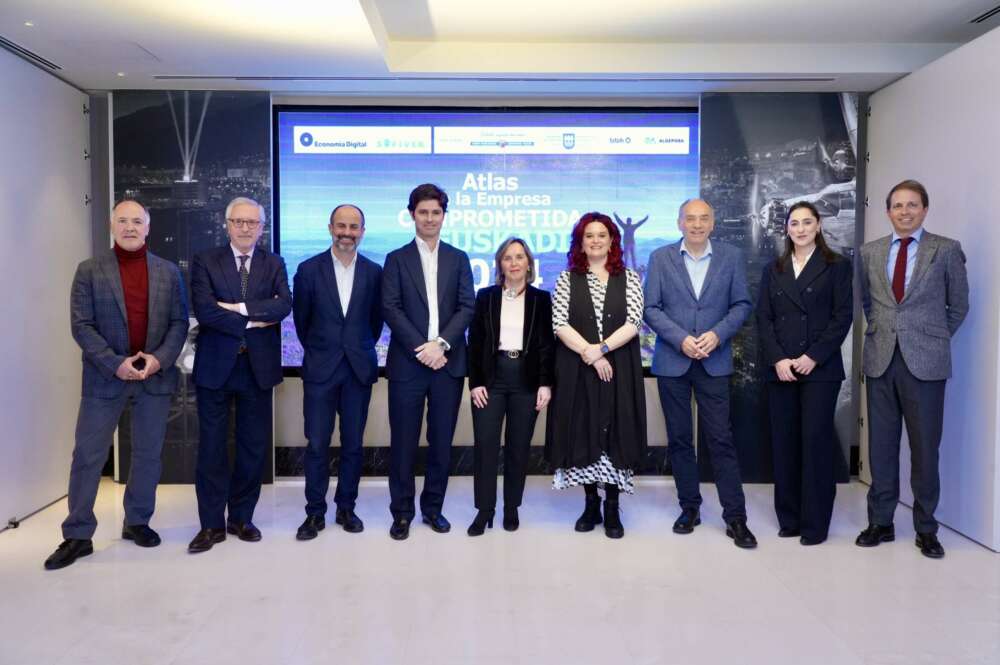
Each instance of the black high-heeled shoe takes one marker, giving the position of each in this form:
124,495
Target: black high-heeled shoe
510,520
483,520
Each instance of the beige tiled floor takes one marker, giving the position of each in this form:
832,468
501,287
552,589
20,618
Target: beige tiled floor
544,594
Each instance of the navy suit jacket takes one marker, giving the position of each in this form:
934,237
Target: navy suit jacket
329,334
809,315
99,325
214,279
404,306
673,312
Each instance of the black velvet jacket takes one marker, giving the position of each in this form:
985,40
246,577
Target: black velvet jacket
484,337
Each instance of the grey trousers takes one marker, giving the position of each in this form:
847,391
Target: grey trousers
893,398
95,426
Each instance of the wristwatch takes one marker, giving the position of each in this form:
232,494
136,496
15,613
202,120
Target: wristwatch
604,348
445,346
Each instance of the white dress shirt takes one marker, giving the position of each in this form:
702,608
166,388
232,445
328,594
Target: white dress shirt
512,323
345,279
429,263
697,268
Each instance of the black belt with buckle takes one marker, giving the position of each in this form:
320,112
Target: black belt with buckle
513,355
242,349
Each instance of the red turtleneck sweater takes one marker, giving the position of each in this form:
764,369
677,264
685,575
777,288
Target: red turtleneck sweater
135,284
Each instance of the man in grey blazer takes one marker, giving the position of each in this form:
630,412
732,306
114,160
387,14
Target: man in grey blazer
129,315
915,294
696,299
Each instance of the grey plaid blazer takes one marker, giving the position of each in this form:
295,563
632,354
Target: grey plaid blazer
932,309
98,324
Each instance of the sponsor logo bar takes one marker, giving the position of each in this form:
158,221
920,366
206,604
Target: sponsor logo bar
361,140
562,140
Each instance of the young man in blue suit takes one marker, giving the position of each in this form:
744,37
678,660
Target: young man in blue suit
337,304
428,302
696,300
239,295
129,316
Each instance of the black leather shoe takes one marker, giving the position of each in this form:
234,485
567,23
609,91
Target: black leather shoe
351,522
613,527
788,533
400,529
591,516
141,535
876,534
205,539
437,523
246,531
69,551
483,521
929,545
510,519
311,527
807,541
738,531
689,519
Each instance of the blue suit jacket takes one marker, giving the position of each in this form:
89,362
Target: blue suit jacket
673,312
327,333
98,323
404,306
214,279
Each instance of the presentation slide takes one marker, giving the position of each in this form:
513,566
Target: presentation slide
524,173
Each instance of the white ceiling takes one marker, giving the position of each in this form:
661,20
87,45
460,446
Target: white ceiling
571,50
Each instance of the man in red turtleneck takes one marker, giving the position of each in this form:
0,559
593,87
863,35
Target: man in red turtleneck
128,313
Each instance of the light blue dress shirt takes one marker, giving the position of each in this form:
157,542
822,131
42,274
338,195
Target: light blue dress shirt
911,256
697,267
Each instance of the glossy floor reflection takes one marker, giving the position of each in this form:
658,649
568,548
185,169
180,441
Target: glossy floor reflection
544,594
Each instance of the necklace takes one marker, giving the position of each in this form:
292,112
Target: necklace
511,293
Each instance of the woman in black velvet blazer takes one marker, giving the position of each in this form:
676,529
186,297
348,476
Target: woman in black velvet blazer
511,350
804,312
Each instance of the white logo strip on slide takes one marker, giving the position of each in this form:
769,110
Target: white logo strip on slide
361,140
563,140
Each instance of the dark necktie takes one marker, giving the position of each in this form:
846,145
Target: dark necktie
245,276
899,271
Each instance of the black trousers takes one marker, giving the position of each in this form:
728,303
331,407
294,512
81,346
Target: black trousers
441,393
215,485
893,398
510,401
804,443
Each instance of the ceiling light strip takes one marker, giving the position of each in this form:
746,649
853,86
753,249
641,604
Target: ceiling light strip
987,15
28,55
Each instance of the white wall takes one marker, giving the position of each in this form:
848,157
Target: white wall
46,232
939,125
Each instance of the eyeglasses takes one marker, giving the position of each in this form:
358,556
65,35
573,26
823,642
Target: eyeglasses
244,223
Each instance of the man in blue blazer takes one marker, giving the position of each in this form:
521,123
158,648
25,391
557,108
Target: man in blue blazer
129,316
337,304
696,299
239,294
428,302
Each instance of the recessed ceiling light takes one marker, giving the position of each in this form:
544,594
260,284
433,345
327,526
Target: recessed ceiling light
121,73
29,24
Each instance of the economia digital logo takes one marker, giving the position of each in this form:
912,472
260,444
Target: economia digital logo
306,139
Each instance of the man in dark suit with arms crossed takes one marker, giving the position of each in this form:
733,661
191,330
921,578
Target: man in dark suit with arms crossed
129,316
337,304
428,302
915,294
239,294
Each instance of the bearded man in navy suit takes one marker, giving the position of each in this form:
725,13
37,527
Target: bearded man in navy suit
239,294
337,306
428,302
